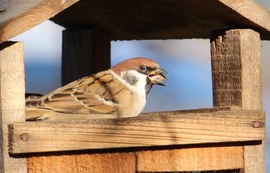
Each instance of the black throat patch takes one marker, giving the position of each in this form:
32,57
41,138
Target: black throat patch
132,80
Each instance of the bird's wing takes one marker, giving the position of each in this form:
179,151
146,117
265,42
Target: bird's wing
96,94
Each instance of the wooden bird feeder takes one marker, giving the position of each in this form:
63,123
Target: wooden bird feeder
226,138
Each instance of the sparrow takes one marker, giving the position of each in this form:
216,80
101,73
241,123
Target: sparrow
118,92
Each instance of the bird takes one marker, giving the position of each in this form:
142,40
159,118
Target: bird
118,92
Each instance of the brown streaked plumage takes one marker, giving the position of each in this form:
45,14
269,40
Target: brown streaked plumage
118,92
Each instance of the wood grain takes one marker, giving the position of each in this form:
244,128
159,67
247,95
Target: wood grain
237,80
12,101
191,159
152,130
19,16
83,163
236,69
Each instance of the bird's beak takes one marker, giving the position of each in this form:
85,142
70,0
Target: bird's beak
157,76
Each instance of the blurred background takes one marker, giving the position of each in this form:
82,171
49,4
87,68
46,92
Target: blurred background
186,61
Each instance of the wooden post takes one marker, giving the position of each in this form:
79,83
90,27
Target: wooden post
85,51
236,74
12,102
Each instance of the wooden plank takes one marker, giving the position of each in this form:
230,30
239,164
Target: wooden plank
152,130
237,80
82,162
191,159
85,52
19,16
12,103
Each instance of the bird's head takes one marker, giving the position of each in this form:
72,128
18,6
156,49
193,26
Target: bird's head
141,72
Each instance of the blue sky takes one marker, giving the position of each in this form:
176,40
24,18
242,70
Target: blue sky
187,62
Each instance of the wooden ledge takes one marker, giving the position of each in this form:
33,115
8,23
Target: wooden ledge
155,129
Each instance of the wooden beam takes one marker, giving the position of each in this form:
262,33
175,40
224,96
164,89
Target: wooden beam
171,128
12,103
236,72
85,52
19,16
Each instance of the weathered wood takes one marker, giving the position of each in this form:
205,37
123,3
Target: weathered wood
83,163
12,102
152,130
191,159
85,51
19,16
236,72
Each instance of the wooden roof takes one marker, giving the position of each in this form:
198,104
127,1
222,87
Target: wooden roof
140,19
165,19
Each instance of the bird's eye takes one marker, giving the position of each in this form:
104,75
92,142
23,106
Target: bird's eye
142,68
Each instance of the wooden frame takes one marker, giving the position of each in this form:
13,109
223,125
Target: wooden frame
230,132
228,137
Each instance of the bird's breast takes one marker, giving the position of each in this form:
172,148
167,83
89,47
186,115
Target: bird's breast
134,108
